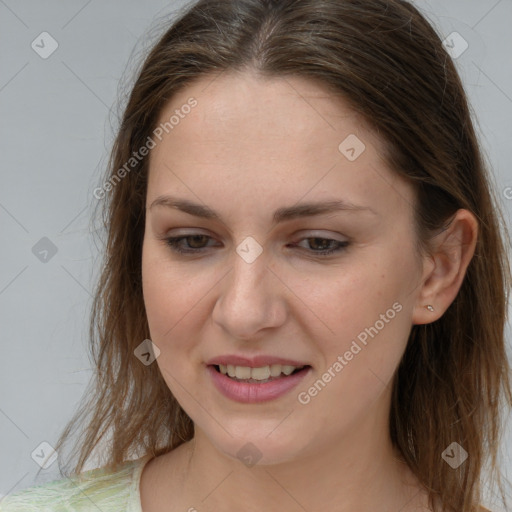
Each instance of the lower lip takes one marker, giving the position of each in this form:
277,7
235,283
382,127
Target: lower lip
249,392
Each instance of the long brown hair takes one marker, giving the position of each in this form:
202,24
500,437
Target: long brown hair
387,61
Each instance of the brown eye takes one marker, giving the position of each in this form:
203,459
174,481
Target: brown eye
324,246
320,244
194,243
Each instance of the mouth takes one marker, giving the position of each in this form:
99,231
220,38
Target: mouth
253,384
259,375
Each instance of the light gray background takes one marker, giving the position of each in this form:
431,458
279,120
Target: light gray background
57,119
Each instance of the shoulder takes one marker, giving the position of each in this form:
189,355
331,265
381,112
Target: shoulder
93,490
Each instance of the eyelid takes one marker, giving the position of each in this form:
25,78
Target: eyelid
300,235
316,233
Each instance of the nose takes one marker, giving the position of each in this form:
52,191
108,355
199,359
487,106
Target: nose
251,300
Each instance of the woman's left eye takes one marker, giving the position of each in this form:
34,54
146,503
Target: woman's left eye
328,245
196,244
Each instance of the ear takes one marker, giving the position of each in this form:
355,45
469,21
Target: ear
445,267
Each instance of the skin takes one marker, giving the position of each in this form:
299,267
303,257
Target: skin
249,147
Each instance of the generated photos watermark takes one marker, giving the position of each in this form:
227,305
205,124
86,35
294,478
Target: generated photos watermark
304,397
143,151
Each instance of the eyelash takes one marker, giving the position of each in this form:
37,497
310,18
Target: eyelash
173,243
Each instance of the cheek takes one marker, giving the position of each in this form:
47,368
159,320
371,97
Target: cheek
359,364
176,301
169,303
157,300
367,308
161,289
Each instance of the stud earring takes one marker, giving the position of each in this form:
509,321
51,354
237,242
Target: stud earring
430,308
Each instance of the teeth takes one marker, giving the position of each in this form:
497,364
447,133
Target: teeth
275,370
287,370
261,373
242,372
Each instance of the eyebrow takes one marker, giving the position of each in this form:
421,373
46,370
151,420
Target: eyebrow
280,215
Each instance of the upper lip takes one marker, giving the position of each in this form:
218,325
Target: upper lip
253,362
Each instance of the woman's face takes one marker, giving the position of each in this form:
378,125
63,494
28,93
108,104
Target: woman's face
239,159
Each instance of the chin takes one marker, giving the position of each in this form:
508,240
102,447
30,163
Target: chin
256,447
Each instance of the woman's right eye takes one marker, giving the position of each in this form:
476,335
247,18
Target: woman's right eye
195,246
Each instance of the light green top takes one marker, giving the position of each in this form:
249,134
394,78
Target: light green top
94,490
97,491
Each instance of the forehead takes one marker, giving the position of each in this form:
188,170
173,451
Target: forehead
279,138
256,110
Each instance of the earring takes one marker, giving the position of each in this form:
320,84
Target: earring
430,308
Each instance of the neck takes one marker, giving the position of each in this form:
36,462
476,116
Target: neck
362,472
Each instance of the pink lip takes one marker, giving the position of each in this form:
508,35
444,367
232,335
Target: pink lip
253,362
248,392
